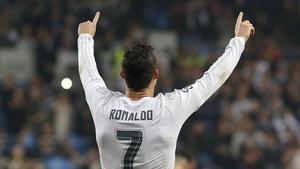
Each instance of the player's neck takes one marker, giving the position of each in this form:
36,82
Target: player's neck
137,95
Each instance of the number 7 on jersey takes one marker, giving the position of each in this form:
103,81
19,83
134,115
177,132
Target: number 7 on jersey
133,139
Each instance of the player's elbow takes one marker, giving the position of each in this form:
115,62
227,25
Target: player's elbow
223,76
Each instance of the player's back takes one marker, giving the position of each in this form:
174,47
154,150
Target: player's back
142,134
135,134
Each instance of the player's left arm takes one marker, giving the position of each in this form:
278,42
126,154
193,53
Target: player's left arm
94,86
186,101
220,71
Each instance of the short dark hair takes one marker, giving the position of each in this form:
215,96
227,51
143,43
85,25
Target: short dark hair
138,66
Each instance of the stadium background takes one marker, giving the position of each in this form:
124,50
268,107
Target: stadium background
251,123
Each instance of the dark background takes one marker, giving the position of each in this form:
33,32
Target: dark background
251,123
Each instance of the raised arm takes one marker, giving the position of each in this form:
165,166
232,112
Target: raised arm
89,75
186,101
219,72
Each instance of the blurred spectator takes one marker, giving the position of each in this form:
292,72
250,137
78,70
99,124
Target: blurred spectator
62,117
183,160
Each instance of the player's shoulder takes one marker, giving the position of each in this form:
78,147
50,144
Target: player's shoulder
161,98
166,98
116,93
175,93
105,90
106,95
176,97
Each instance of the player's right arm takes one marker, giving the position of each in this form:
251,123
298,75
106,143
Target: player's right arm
93,85
186,101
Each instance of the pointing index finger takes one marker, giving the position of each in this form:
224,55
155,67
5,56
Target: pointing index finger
96,18
239,18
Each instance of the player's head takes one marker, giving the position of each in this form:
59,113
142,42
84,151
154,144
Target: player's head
139,68
183,160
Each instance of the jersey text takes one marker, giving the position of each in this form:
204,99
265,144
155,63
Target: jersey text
130,116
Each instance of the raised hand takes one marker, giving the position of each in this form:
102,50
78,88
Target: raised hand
89,27
243,28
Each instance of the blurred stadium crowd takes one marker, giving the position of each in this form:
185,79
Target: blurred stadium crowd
251,123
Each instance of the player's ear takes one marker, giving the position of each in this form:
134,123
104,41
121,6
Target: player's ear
155,74
122,74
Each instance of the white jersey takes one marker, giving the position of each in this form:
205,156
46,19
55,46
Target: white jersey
142,134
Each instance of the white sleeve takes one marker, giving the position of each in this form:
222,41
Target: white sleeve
93,85
183,103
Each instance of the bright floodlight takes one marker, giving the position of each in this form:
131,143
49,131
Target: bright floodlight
66,83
